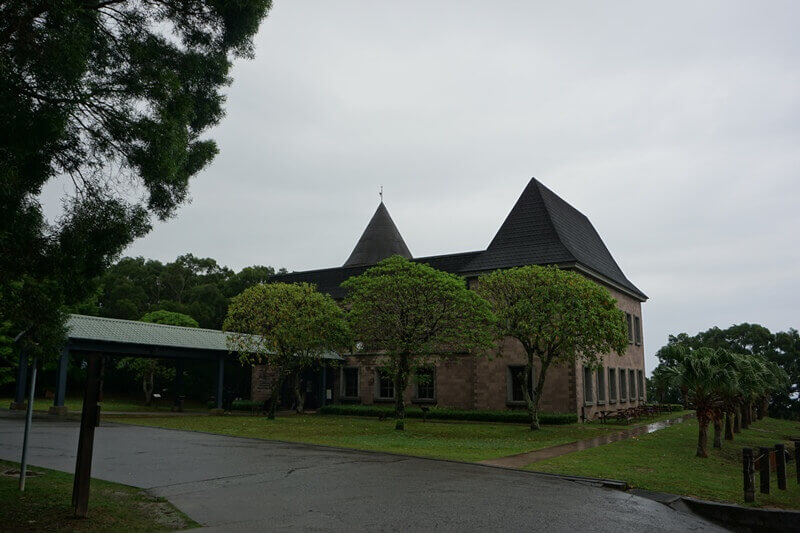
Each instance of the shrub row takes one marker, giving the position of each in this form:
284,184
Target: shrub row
442,413
245,405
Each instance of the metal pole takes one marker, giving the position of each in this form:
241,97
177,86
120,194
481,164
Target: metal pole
748,470
220,380
780,465
23,468
61,379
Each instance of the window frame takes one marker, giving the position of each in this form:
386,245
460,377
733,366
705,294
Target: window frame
378,397
640,382
510,384
343,389
629,321
637,330
600,391
632,384
612,385
623,385
417,397
588,384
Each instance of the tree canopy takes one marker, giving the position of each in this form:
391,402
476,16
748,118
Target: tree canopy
558,316
411,314
756,344
113,98
287,326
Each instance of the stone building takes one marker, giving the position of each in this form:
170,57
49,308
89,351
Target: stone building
541,229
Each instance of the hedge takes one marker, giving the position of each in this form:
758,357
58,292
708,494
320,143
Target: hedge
442,413
245,405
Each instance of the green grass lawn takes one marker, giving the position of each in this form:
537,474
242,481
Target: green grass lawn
112,404
46,506
464,441
665,461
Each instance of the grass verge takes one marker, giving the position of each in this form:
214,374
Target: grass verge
665,461
121,404
46,505
463,441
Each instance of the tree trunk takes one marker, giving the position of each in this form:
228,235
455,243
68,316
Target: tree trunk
685,398
533,403
147,385
702,437
717,428
299,394
744,416
400,382
737,420
764,411
728,425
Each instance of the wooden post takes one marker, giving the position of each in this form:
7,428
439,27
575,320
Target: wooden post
780,465
763,474
797,459
83,465
748,470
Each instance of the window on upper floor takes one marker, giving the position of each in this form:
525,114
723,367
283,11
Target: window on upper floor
637,329
629,320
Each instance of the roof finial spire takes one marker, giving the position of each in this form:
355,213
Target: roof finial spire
381,194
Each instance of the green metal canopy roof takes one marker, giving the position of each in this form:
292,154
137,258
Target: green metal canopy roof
82,328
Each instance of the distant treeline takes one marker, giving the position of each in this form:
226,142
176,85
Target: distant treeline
782,348
198,287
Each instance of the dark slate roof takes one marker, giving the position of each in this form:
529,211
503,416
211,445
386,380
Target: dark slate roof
329,280
381,239
543,229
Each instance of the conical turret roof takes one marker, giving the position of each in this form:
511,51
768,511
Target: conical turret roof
381,239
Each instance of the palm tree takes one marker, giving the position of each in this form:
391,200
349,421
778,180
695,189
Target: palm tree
705,379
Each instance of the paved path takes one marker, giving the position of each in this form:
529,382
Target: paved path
524,459
237,484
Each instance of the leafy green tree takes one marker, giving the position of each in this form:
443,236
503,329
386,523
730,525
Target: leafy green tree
559,317
113,98
286,326
706,379
148,369
413,314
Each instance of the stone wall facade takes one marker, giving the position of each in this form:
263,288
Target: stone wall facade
484,382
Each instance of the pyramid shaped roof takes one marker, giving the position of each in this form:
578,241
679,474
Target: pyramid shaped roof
381,239
543,229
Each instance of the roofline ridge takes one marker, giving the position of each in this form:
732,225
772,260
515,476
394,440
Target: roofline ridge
141,322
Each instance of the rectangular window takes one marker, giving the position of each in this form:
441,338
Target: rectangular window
601,386
425,383
632,379
612,385
588,390
385,386
516,384
629,320
637,329
640,378
623,385
350,382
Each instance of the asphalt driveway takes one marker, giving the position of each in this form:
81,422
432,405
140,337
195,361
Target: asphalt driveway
237,484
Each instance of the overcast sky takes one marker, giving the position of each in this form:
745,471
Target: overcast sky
674,126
